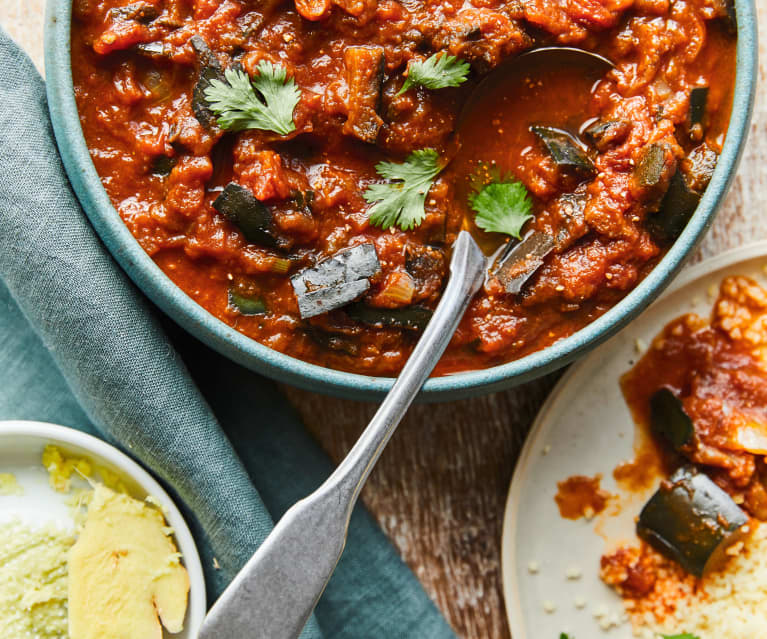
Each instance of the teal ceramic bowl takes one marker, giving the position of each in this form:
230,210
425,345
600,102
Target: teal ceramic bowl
163,292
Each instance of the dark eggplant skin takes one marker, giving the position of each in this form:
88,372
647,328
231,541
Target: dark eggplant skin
241,207
364,75
162,165
652,167
675,210
336,281
692,521
564,150
604,134
698,101
518,264
210,69
412,317
246,305
141,12
669,420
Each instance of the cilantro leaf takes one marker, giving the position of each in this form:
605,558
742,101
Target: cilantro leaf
502,207
564,635
401,202
266,102
684,635
436,72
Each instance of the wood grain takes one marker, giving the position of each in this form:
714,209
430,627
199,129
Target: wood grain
440,488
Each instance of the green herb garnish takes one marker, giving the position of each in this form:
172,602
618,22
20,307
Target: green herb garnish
684,635
564,635
401,202
436,72
265,102
503,206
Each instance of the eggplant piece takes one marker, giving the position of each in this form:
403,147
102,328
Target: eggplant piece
653,168
246,305
669,419
692,521
564,149
604,134
364,77
675,210
155,50
520,262
725,10
162,165
241,207
427,266
210,69
698,101
141,12
335,281
336,342
413,317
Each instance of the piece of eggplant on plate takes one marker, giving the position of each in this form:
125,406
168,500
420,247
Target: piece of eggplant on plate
693,521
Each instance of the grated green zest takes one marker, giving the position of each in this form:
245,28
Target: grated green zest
401,202
436,72
502,207
265,102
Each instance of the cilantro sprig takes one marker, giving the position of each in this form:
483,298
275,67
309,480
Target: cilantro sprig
684,635
266,102
436,72
502,206
400,202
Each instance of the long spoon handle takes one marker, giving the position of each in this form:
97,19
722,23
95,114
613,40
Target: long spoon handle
274,594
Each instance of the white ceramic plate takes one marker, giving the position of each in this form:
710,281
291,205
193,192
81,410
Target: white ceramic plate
586,428
21,447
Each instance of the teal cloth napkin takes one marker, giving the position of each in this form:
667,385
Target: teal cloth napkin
80,346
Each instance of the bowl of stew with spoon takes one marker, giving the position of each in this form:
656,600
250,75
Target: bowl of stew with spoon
286,179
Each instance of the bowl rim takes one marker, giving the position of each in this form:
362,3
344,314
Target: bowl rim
284,368
102,451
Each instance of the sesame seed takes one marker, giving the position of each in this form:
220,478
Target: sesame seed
580,603
549,607
533,567
546,449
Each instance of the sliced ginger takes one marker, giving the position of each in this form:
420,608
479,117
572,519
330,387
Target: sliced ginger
125,572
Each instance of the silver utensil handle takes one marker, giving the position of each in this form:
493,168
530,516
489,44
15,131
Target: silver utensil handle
467,272
274,594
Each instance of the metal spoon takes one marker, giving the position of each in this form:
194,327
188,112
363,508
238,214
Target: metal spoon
274,594
516,261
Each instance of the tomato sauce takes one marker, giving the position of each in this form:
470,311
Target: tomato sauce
580,496
718,370
135,71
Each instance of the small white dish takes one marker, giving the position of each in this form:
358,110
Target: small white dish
21,447
585,428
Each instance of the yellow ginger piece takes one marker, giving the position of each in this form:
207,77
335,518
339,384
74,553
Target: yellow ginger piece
124,572
61,467
9,485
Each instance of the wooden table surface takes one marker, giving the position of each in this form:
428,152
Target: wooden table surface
440,488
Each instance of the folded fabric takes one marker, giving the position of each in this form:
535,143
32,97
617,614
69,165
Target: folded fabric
80,346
